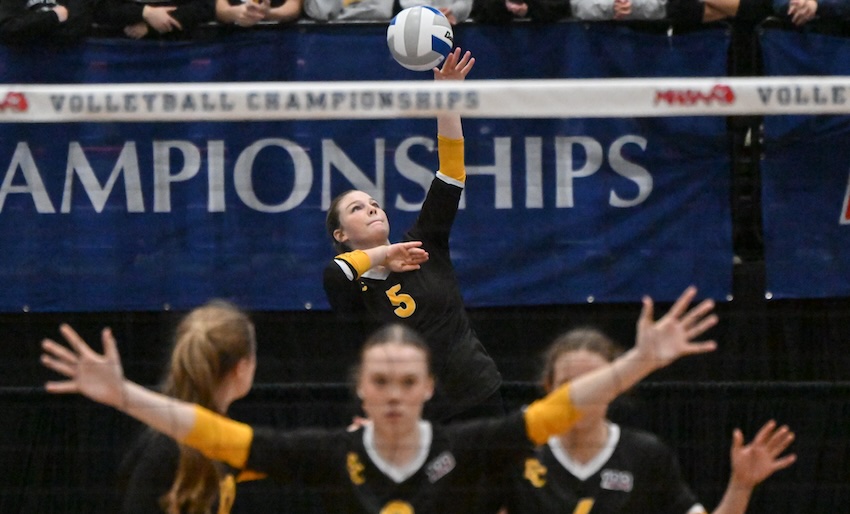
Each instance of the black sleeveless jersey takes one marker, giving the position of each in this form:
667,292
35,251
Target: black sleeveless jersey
428,300
337,465
637,473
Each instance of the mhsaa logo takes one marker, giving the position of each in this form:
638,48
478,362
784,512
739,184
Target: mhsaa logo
844,219
14,102
721,94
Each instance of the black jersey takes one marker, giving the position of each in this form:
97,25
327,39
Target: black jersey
351,478
428,300
634,473
148,471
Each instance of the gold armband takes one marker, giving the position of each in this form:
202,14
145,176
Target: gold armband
451,158
220,438
552,415
358,260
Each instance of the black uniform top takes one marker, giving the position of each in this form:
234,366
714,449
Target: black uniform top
190,14
351,477
428,300
634,473
147,473
26,21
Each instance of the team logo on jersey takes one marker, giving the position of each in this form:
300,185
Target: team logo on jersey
226,494
535,472
440,466
355,468
397,507
615,480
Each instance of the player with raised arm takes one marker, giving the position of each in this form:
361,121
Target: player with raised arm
359,286
397,462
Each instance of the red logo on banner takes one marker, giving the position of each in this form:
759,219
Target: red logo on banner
720,93
14,101
845,211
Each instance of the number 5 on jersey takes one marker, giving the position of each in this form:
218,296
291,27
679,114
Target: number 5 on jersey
403,303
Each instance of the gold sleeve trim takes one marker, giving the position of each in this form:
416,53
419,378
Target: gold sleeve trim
220,438
552,415
357,260
451,158
248,476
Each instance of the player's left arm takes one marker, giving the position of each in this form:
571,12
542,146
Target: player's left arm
658,344
754,463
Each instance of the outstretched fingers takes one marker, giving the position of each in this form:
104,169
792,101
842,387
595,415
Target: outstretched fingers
406,256
647,312
753,463
466,63
455,66
58,353
775,440
695,321
61,360
77,343
110,346
58,365
672,335
680,306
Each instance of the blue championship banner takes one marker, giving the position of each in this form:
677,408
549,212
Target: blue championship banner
806,172
145,216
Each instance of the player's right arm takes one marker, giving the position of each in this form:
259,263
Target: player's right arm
754,463
397,257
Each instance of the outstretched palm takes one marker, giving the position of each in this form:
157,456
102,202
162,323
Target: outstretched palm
455,67
98,377
671,337
753,463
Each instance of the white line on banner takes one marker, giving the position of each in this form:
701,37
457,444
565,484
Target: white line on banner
544,98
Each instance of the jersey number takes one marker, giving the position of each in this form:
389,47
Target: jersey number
404,304
584,506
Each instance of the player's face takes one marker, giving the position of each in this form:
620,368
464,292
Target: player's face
571,365
363,224
394,385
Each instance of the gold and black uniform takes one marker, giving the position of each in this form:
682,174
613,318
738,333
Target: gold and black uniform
350,476
428,299
633,473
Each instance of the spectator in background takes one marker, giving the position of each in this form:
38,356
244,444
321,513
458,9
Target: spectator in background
598,10
340,10
802,12
173,19
247,13
23,21
752,11
455,10
505,11
684,12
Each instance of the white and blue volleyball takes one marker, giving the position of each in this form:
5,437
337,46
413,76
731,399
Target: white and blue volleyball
420,37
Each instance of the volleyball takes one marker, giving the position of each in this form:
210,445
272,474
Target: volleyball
420,37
